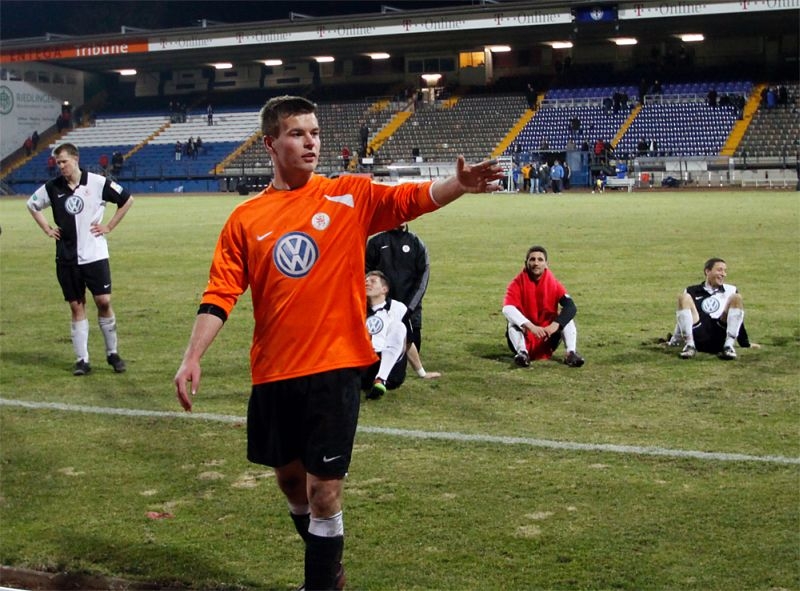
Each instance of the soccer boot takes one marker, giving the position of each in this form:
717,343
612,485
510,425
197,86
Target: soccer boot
115,361
81,368
688,352
572,359
521,359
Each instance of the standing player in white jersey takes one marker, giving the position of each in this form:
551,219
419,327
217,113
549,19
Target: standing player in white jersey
710,316
78,199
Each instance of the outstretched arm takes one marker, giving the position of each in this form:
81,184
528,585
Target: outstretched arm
475,178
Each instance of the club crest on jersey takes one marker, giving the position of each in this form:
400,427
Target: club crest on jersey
321,220
295,254
374,324
710,305
73,205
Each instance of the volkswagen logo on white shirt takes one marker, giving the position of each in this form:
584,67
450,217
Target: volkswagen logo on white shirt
295,254
374,325
710,305
73,205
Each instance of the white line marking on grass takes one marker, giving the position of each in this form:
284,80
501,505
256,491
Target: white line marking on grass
442,435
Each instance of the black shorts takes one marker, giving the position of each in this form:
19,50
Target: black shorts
709,335
311,418
74,279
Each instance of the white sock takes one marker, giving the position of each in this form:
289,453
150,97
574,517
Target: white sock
517,338
684,317
327,527
570,335
109,328
735,319
80,339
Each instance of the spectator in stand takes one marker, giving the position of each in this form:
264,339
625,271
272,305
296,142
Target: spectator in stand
190,151
103,162
653,149
642,90
712,97
574,127
657,88
51,165
617,99
27,145
641,147
598,150
363,136
530,96
178,150
210,114
116,163
772,98
35,140
198,146
346,157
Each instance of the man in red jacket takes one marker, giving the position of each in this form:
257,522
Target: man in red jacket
535,323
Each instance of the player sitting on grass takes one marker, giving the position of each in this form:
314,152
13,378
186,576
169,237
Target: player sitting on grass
388,333
710,316
531,306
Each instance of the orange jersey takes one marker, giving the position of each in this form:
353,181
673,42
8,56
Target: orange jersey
301,253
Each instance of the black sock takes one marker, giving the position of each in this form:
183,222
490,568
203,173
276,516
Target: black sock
323,558
301,524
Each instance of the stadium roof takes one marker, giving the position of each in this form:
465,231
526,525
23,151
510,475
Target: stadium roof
393,27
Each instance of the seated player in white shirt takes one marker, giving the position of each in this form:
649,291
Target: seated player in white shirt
710,316
388,332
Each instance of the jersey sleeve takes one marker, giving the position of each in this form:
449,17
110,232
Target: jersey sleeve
113,192
40,200
396,204
228,274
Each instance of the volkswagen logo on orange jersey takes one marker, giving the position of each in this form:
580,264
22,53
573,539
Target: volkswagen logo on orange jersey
295,254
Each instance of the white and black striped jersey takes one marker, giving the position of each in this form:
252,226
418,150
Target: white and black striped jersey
710,301
74,212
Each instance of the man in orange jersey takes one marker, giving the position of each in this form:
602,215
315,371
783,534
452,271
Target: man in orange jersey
299,246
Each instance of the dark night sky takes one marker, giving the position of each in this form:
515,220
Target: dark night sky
34,18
